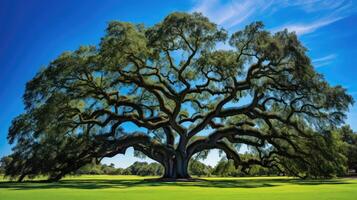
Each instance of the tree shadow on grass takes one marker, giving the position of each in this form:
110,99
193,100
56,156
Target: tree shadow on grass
128,183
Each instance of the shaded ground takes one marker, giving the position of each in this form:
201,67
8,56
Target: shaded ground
131,187
124,182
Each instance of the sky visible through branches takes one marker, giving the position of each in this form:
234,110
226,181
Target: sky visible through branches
34,33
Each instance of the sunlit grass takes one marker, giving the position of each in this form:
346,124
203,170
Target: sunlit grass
134,187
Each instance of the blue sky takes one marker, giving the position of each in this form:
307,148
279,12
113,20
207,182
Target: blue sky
34,32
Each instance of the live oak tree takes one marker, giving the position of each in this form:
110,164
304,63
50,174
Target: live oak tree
169,92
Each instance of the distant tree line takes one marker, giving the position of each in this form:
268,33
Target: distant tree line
137,168
224,168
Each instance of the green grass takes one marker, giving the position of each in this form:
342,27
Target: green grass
133,187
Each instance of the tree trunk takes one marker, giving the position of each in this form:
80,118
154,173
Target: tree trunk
177,167
21,178
56,178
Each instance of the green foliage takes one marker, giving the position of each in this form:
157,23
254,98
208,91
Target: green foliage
4,161
198,168
137,168
94,168
145,169
226,168
350,139
173,82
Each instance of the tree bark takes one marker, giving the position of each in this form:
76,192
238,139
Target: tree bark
21,178
57,177
176,168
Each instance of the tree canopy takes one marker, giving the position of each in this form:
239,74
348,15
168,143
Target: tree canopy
180,94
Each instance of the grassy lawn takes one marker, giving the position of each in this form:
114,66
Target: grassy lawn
133,187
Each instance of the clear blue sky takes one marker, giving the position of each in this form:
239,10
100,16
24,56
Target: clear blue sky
34,32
